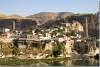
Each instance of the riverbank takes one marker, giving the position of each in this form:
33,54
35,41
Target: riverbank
49,62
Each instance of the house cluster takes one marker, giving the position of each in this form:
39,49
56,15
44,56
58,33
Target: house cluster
67,32
70,30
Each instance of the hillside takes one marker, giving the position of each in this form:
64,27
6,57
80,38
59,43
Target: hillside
49,20
15,17
31,20
44,17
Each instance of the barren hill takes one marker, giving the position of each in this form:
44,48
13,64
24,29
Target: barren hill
44,17
15,16
2,15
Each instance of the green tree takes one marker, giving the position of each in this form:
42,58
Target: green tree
54,33
72,33
15,49
38,30
30,30
57,48
1,47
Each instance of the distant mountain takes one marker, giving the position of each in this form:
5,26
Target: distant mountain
64,14
44,17
15,17
2,15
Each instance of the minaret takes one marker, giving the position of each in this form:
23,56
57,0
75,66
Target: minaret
86,28
92,20
99,22
13,25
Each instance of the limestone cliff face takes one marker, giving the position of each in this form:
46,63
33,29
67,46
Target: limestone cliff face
48,47
77,26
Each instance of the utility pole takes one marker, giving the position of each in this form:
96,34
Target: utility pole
86,28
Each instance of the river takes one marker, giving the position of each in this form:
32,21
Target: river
71,62
49,62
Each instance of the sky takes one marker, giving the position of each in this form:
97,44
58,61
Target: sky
29,7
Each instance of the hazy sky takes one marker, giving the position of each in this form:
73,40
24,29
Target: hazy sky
27,7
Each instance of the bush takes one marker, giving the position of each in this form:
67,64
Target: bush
57,48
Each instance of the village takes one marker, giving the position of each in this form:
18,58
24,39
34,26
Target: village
49,33
64,41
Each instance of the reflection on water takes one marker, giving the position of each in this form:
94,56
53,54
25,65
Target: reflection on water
68,62
74,62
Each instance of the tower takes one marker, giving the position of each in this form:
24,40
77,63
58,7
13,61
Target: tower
86,28
13,25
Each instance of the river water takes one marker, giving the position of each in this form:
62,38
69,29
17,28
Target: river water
71,62
50,62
